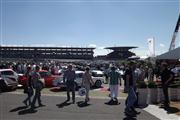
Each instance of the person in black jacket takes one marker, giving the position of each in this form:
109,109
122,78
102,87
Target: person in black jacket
166,78
28,88
38,86
68,78
132,98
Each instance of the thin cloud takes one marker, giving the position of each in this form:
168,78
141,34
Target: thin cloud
92,45
101,48
162,45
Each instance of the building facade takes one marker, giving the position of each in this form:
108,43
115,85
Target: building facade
22,52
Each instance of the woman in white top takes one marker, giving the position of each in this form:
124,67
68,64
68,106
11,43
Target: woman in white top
86,82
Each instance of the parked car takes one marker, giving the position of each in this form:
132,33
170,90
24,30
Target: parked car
8,79
97,78
58,82
46,75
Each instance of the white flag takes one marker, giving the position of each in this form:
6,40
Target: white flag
151,46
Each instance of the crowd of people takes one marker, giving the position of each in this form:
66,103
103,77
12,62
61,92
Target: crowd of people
131,73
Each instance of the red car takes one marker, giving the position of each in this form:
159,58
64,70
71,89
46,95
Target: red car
48,78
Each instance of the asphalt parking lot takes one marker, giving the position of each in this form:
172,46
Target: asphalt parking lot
12,108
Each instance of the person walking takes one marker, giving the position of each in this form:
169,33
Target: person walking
28,88
38,86
114,77
132,98
166,78
87,82
68,78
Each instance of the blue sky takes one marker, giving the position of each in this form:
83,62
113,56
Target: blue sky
83,23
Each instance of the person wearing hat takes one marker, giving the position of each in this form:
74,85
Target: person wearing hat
87,82
166,78
68,78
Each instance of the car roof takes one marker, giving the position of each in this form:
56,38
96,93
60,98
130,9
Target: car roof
78,71
97,71
5,70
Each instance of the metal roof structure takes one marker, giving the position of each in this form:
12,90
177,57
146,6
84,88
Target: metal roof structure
120,48
120,53
170,55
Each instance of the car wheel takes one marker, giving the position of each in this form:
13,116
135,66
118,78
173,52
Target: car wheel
3,86
98,83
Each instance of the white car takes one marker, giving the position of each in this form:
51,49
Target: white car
8,79
58,82
97,78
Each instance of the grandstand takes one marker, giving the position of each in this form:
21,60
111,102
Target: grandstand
27,52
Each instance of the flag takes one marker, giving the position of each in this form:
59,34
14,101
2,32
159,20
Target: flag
151,46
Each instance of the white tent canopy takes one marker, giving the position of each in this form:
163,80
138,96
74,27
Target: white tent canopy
171,55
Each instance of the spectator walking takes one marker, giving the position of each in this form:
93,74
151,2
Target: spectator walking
114,85
68,78
38,86
132,98
166,78
28,88
87,82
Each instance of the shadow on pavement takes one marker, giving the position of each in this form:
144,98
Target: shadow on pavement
82,104
170,110
27,111
57,89
141,106
112,103
63,89
18,108
95,88
129,118
63,104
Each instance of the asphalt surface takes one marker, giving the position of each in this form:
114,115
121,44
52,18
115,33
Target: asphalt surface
12,108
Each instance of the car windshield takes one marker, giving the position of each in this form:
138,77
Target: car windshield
95,74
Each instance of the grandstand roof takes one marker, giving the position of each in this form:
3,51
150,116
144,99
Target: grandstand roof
119,48
45,47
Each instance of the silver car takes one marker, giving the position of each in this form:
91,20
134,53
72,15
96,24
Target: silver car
8,79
